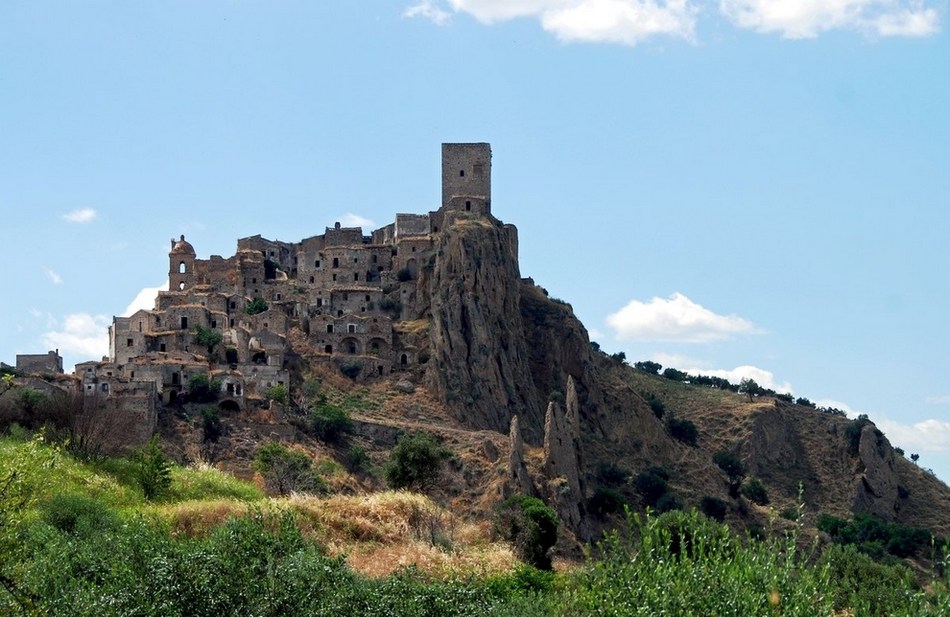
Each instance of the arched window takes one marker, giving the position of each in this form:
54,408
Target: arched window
404,360
182,268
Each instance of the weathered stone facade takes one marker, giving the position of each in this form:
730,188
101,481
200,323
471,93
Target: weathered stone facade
49,362
341,291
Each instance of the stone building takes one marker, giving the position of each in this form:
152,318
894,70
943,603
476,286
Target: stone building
49,362
342,291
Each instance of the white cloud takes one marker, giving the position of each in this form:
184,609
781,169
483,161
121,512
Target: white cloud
81,334
428,9
355,220
613,21
627,22
83,215
800,19
925,436
764,378
630,22
145,299
676,319
938,400
55,278
833,404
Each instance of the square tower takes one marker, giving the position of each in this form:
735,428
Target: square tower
466,177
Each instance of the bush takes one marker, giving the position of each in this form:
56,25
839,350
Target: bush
730,463
390,305
415,462
256,306
667,503
682,430
675,375
207,337
153,470
77,514
852,432
211,424
612,475
530,526
278,394
656,405
713,507
203,390
285,470
647,366
651,485
329,423
352,368
357,458
755,491
606,501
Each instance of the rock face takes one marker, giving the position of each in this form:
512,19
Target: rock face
562,460
518,479
875,487
478,355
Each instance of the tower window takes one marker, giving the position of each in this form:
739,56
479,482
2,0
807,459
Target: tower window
461,173
468,206
181,268
336,262
329,328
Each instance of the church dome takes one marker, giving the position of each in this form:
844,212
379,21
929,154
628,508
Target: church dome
182,247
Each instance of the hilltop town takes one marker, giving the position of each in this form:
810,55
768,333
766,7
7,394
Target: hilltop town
338,297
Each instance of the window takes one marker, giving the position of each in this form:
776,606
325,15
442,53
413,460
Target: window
161,347
336,262
375,258
214,323
231,323
413,249
176,379
404,360
329,328
351,329
367,297
334,277
319,302
140,325
328,349
184,323
233,304
316,264
278,296
253,281
468,206
105,387
181,286
461,173
181,268
128,342
356,276
311,280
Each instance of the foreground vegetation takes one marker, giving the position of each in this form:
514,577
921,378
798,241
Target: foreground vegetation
80,538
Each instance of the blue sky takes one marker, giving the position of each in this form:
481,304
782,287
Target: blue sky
743,187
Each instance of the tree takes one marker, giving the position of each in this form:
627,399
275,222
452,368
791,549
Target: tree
153,470
255,306
285,470
755,491
651,485
735,470
914,458
203,390
329,422
750,387
278,394
647,366
207,337
530,525
415,462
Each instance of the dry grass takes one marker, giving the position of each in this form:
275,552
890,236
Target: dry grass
197,519
416,326
383,532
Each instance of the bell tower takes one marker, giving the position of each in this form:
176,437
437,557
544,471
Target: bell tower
181,265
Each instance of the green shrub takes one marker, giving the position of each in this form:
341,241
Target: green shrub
606,501
285,470
651,484
256,306
278,394
201,389
612,475
207,337
415,462
530,526
667,503
863,586
755,491
352,368
77,514
713,507
674,375
647,366
390,305
357,458
210,424
730,463
153,470
683,430
329,423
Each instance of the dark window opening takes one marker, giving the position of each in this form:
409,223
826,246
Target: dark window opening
404,360
339,313
176,379
328,349
184,323
128,342
231,323
259,358
461,173
230,389
253,281
468,206
375,258
311,280
278,296
350,328
334,277
161,347
336,262
329,328
319,302
356,276
352,349
379,369
214,323
233,304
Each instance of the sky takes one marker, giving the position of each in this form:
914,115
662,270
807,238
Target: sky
743,188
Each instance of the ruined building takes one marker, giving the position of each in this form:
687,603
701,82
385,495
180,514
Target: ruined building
335,297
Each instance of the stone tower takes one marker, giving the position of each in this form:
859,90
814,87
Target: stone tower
181,265
466,177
